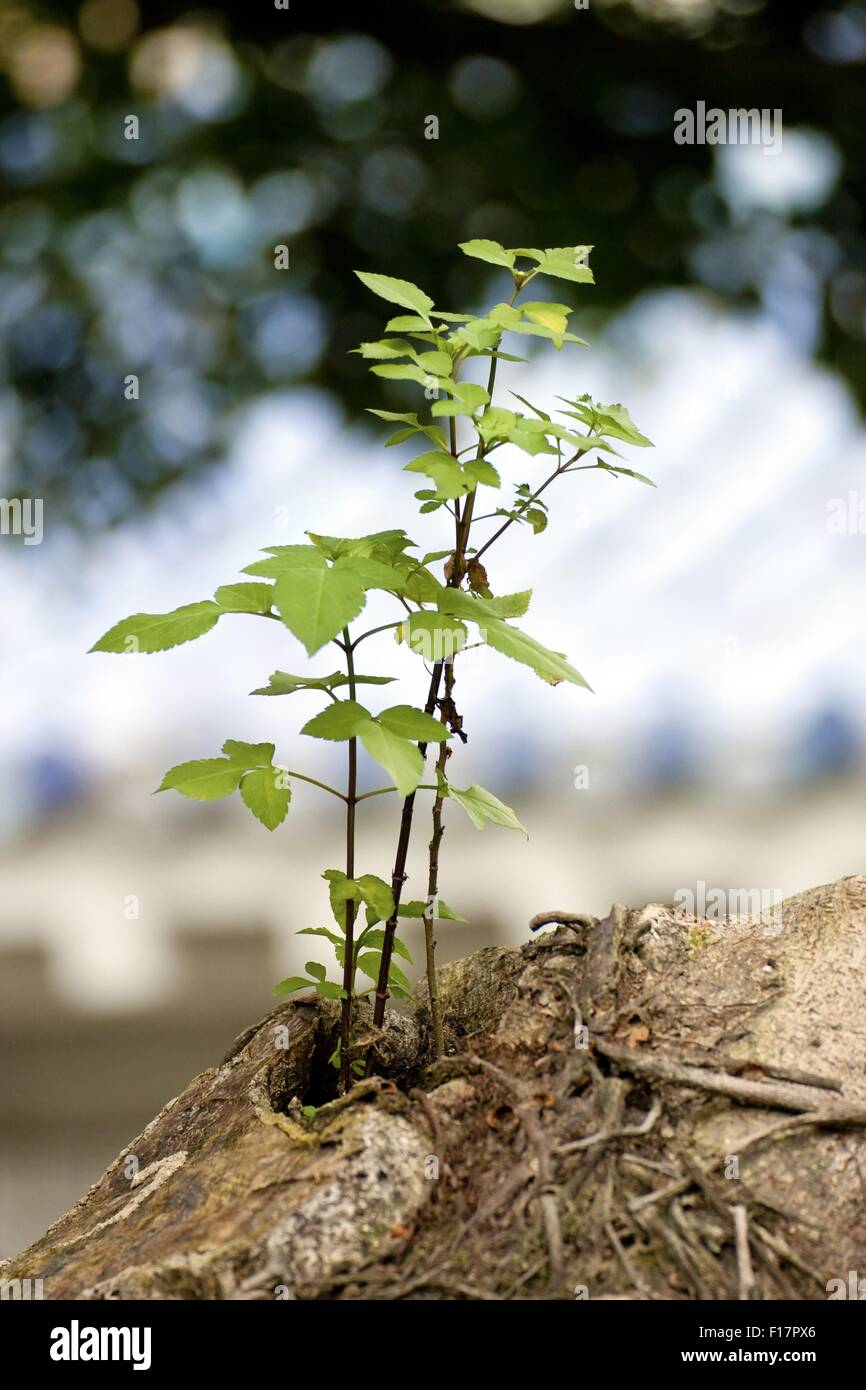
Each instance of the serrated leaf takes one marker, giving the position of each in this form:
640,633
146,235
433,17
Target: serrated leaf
417,909
401,292
158,632
203,779
315,970
482,471
292,983
329,990
567,263
490,251
510,641
396,754
286,557
373,574
403,371
315,604
444,471
263,793
340,891
342,720
283,683
377,895
433,636
368,963
534,408
384,349
321,931
482,806
397,980
248,755
413,723
245,598
510,605
628,472
375,939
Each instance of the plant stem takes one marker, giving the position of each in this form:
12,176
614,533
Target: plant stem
463,524
314,783
349,959
433,885
398,877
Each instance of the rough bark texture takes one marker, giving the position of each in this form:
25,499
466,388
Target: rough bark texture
643,1107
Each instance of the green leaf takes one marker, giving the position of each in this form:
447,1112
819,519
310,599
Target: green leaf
433,636
396,977
414,426
286,557
510,641
482,471
321,931
566,263
385,348
417,909
283,683
375,939
157,632
377,894
629,472
495,423
403,371
489,251
411,323
315,970
245,598
444,471
551,666
482,806
315,604
397,755
401,292
293,982
470,393
340,891
510,605
368,963
373,574
266,798
204,779
413,723
330,991
435,361
339,721
534,408
248,755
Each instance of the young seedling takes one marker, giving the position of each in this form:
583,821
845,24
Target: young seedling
317,590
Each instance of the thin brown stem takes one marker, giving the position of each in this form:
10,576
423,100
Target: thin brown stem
462,527
349,959
433,884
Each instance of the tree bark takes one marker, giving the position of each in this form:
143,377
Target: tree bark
641,1107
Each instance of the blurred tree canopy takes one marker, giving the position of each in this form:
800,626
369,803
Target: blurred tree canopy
377,136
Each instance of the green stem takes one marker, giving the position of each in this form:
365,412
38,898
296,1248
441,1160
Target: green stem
314,783
372,632
380,791
349,959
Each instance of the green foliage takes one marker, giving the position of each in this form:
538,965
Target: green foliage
247,767
317,588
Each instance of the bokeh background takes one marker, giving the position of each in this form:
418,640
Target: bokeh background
719,619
